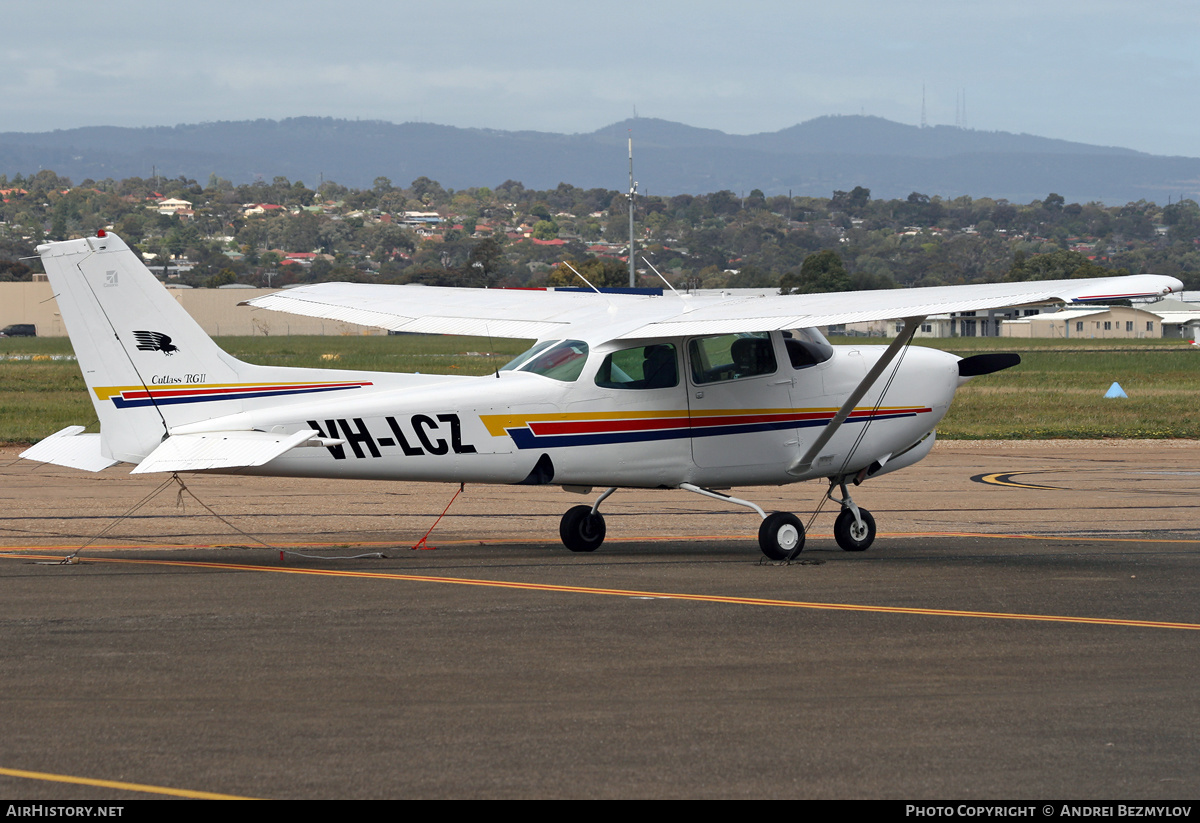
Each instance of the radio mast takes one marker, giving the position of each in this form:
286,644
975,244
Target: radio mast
632,196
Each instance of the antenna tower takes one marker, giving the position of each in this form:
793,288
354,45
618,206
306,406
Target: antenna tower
632,197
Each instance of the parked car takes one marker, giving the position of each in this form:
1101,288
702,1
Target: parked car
19,330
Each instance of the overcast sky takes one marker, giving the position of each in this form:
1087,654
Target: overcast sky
1111,73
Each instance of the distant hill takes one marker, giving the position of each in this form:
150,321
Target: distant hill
812,158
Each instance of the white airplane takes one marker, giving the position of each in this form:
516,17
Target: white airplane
619,391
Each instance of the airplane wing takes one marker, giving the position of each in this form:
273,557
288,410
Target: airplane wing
520,313
808,310
598,318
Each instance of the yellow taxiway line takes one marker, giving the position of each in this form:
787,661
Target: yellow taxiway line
1005,479
398,545
703,598
118,784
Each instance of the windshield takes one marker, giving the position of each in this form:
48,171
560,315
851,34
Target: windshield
561,360
516,362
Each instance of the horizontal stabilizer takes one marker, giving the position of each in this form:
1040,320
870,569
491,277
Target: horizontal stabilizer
72,449
220,450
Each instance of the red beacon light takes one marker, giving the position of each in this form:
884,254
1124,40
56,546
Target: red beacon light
101,233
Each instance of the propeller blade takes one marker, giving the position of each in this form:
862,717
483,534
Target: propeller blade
987,363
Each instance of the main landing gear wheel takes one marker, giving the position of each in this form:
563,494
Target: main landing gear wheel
781,534
850,534
580,530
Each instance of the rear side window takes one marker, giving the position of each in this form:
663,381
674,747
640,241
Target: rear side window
641,367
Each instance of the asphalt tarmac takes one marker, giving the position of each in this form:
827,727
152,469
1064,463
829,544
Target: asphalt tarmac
1026,626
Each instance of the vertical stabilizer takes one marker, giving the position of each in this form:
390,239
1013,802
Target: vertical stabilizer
133,342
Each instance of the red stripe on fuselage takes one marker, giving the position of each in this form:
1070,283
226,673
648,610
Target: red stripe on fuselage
558,427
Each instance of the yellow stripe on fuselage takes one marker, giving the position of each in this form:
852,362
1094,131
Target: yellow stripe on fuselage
105,392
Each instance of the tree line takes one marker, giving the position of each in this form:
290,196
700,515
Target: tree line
513,236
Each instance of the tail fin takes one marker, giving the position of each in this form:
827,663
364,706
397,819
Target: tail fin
148,365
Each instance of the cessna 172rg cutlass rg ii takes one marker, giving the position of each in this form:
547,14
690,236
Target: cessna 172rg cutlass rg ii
681,392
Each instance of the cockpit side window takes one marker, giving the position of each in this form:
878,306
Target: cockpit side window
806,347
731,357
641,367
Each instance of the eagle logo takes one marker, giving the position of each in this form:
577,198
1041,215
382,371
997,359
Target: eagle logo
155,341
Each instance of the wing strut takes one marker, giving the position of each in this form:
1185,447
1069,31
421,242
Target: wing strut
802,465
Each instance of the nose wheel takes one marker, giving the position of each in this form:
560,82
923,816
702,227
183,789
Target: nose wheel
854,535
854,529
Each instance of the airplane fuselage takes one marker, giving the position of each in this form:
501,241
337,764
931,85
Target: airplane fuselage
709,429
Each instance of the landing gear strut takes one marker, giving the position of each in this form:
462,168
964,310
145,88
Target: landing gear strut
781,535
854,529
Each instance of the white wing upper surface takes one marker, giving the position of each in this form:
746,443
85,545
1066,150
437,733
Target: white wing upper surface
439,310
598,318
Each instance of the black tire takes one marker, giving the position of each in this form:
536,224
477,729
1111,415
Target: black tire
781,535
580,530
849,535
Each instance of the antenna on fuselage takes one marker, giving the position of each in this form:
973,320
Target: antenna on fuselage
491,352
581,277
660,277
